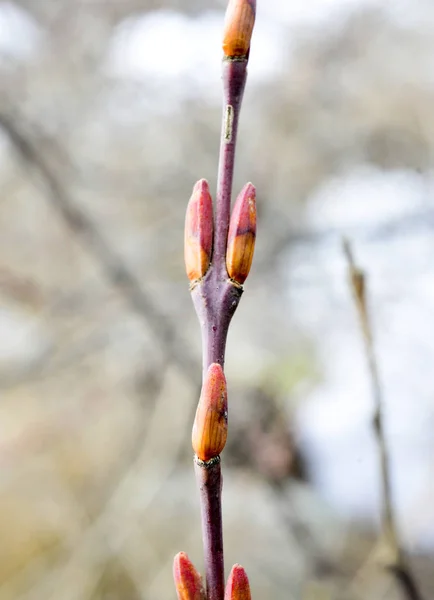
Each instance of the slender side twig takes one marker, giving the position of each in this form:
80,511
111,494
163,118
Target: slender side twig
398,565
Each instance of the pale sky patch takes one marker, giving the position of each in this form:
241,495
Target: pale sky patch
19,33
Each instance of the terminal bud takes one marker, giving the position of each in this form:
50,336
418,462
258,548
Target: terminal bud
239,22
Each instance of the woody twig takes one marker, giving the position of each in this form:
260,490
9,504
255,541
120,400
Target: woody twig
218,257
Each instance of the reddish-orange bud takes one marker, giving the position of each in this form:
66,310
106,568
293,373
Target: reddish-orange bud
198,231
242,235
210,427
188,582
238,587
239,22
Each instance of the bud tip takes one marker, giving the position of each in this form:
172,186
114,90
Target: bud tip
238,587
188,582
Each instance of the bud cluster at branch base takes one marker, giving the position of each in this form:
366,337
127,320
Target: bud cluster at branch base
188,582
210,427
238,587
239,22
242,235
199,229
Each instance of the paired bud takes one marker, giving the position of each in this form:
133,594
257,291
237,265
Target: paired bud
210,427
238,587
188,582
198,231
239,22
242,235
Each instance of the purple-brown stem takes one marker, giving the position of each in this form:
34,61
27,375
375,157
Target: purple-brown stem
216,298
234,81
209,478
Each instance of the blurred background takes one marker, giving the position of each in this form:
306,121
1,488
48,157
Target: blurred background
109,112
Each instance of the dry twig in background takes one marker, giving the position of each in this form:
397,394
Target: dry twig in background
397,563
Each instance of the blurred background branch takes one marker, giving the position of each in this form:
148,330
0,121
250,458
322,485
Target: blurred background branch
113,267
